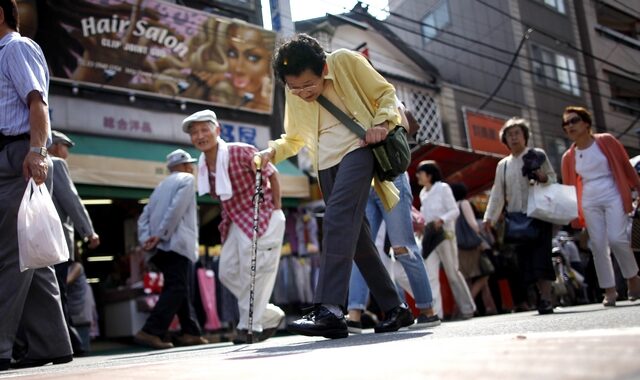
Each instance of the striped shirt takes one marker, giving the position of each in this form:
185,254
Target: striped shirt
22,69
239,208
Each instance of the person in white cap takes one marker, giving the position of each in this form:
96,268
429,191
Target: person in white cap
226,171
168,230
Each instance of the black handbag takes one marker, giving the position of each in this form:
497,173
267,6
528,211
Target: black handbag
431,238
466,237
486,265
518,227
392,155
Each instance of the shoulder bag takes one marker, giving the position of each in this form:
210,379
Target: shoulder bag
518,227
466,237
392,155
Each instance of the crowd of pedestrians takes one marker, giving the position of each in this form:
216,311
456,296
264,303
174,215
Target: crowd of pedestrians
40,312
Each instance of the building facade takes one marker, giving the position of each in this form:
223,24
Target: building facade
527,58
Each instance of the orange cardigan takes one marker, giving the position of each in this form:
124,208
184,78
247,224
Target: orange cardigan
624,175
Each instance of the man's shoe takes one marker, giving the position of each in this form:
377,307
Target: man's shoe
545,307
320,322
146,339
28,363
354,327
190,340
267,333
395,319
5,364
242,337
271,323
424,322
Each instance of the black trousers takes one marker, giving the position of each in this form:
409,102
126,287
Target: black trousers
176,297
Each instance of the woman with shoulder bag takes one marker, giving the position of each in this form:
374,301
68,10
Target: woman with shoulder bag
598,165
510,193
475,266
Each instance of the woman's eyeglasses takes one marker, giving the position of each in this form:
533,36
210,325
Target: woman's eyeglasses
572,121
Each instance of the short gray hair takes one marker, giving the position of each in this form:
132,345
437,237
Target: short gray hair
512,123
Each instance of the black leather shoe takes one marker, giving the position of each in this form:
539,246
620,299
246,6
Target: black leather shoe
28,363
398,317
545,307
5,364
320,322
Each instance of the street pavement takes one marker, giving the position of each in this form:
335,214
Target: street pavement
581,342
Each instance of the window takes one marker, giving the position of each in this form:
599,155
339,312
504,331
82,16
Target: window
555,70
618,21
438,18
557,5
625,94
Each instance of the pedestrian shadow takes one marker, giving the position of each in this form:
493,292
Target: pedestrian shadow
352,341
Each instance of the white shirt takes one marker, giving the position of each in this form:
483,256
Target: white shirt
439,203
597,179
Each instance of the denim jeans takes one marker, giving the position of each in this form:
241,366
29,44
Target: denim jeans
400,232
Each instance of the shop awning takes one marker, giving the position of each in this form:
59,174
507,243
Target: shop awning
136,167
473,168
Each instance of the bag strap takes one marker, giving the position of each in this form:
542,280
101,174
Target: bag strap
504,186
341,116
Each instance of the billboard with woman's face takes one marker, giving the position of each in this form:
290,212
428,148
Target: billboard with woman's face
155,47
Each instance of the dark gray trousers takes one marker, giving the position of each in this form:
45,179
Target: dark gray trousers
346,236
30,299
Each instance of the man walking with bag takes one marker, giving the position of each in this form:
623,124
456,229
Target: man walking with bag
345,167
29,299
168,228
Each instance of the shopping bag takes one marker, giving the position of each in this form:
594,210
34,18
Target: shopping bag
41,240
207,286
554,203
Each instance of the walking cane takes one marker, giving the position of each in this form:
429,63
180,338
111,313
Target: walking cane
258,197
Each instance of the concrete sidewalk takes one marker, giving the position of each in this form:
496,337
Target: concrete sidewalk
585,342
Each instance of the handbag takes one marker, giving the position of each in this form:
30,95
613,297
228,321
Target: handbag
466,237
431,238
486,266
518,227
41,241
392,154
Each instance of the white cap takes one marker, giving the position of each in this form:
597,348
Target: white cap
204,115
178,157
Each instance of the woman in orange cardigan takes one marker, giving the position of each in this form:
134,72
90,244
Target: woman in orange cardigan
598,165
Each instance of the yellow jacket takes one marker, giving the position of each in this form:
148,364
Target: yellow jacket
365,93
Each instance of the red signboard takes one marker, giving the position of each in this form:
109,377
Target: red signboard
156,47
483,132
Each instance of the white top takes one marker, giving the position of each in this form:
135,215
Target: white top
517,186
439,203
597,179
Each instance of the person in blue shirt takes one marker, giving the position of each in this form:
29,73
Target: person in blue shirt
30,299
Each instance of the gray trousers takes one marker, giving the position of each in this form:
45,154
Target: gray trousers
346,236
31,299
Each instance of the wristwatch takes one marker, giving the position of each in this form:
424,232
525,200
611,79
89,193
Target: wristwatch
39,149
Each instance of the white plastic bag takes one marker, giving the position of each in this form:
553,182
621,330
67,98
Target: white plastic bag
553,203
40,238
